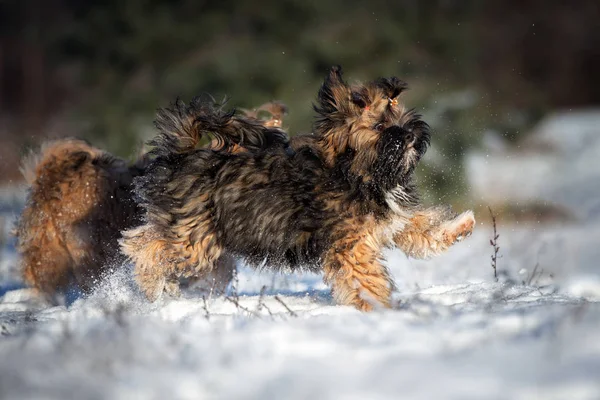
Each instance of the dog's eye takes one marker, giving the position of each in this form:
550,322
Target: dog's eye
379,127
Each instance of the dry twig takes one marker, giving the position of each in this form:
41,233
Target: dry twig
261,301
205,306
494,244
235,282
240,307
292,313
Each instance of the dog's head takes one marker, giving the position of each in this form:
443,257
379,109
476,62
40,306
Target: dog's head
369,127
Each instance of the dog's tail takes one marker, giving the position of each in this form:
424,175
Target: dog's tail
274,109
183,126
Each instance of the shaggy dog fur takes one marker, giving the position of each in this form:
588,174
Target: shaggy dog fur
79,201
330,202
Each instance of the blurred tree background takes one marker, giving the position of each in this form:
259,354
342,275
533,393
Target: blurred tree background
98,69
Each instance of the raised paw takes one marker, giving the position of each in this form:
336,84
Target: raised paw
459,228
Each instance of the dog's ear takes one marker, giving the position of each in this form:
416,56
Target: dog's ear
333,99
360,98
333,91
391,87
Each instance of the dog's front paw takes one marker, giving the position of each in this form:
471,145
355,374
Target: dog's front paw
460,227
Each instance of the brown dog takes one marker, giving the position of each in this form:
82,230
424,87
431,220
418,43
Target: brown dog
79,201
328,202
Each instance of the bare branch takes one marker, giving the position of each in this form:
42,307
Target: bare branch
235,282
205,306
261,301
240,307
292,313
494,244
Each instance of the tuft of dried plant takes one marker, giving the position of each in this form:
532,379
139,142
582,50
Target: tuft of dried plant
494,244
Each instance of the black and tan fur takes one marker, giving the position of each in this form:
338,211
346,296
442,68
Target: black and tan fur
330,202
79,201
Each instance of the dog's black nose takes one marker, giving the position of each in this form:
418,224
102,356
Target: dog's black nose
400,134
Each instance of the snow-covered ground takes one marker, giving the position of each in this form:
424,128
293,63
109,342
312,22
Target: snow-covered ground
454,333
555,165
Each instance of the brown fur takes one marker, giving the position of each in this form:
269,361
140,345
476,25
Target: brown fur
79,201
432,231
274,109
353,267
328,202
69,228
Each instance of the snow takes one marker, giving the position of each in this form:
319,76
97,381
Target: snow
454,333
556,164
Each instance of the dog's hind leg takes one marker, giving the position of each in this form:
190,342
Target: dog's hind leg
146,248
353,267
213,282
160,260
432,231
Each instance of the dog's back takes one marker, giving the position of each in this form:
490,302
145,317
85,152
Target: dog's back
78,203
81,199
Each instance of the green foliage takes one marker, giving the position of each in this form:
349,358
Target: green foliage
134,56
